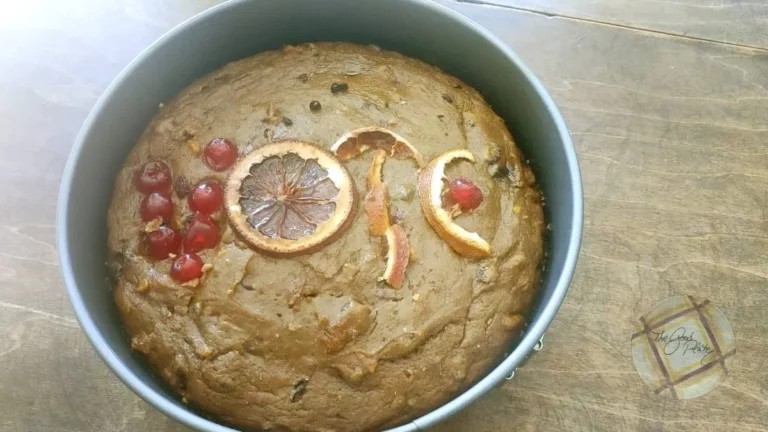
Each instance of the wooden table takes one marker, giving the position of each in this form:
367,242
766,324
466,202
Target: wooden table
667,102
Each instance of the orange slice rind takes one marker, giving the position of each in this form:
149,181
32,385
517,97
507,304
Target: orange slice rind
398,255
289,197
431,178
358,141
377,198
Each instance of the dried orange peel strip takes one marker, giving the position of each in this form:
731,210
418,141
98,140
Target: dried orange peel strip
398,255
430,188
386,144
358,141
374,172
377,198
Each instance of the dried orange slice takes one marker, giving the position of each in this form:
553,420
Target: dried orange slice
398,254
358,141
289,197
377,199
431,184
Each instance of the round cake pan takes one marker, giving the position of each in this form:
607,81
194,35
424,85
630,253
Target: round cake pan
241,28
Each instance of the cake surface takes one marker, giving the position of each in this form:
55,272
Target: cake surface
316,341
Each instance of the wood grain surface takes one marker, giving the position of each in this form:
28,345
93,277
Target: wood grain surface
738,22
672,136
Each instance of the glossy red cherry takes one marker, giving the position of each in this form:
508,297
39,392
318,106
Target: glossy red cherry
207,197
153,176
156,204
186,267
465,193
162,242
202,233
220,154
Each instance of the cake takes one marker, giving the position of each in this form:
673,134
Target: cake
325,237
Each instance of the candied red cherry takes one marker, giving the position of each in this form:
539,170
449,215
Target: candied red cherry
220,154
156,204
186,267
153,176
207,197
162,242
202,233
465,194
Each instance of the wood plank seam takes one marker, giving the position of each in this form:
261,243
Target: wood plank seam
615,25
